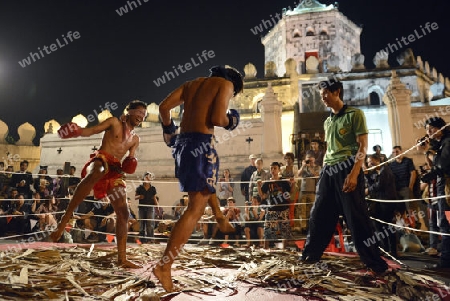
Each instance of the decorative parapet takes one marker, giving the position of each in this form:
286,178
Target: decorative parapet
26,132
250,71
407,59
291,68
80,120
427,68
380,60
358,62
3,132
51,126
271,69
420,63
333,63
434,73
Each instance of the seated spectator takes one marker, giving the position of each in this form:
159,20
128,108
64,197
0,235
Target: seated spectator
58,186
254,215
19,223
73,181
159,213
2,219
85,220
34,218
105,216
43,183
133,223
46,215
408,240
233,214
178,210
209,225
22,180
5,178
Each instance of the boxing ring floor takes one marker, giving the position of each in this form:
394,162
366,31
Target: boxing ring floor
44,270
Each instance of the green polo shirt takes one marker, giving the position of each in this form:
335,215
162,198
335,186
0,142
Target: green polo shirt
341,130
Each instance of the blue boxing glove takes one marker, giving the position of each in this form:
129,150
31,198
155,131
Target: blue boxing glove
170,133
233,119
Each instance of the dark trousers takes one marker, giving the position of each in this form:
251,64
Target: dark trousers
146,222
433,210
330,202
443,188
387,238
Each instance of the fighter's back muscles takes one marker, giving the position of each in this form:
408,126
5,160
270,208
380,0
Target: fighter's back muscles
205,104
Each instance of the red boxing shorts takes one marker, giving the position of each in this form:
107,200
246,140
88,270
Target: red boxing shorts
113,173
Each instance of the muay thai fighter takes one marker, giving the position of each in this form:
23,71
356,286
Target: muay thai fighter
104,172
205,102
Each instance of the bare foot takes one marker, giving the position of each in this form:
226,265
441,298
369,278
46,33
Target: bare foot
129,264
164,277
56,235
224,226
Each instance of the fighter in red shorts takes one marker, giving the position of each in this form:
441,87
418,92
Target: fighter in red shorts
104,172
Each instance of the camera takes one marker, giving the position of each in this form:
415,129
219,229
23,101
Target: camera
428,177
422,169
307,161
423,140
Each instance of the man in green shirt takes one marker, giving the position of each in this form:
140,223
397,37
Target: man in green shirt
340,189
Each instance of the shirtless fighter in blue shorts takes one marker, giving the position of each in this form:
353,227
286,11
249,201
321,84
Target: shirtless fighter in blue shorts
205,102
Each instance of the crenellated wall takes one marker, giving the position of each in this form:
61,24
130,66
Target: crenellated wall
24,149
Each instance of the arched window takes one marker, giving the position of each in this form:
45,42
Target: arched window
374,99
309,31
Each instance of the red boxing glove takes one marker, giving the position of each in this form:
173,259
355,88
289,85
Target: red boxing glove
129,165
70,130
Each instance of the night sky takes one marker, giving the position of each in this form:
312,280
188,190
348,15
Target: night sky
114,58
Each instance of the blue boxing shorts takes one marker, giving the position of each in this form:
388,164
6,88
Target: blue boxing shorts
196,162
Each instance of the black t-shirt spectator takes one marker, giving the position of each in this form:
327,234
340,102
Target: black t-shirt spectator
149,195
73,181
278,193
101,212
402,172
25,189
245,178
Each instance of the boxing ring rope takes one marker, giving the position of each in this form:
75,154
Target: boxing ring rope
247,206
242,222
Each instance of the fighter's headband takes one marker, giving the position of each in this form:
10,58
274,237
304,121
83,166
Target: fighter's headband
138,112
